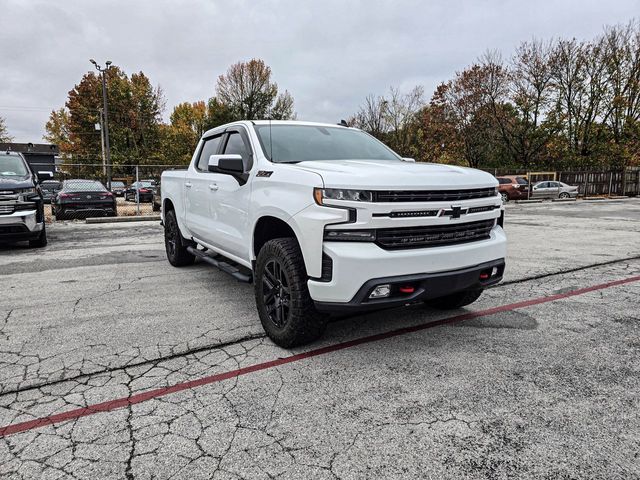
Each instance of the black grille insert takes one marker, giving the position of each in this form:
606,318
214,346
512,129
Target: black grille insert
432,195
434,235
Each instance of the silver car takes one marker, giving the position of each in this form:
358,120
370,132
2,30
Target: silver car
552,189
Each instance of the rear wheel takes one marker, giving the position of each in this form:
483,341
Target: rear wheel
175,244
41,241
455,300
286,310
564,195
59,214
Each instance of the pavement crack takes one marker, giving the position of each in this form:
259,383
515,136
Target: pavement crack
151,362
564,272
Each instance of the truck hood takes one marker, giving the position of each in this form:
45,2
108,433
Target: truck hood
13,183
391,175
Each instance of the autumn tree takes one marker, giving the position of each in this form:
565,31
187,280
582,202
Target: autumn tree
248,92
4,133
393,118
622,103
520,96
135,109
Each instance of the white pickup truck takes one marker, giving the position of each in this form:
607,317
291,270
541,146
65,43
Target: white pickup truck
325,218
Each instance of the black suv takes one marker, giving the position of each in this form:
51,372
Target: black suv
21,203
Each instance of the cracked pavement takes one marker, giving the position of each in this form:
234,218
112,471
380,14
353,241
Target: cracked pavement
546,391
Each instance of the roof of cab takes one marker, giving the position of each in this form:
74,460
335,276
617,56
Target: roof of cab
248,123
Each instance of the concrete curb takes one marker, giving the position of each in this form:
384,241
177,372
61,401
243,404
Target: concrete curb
528,201
561,200
145,218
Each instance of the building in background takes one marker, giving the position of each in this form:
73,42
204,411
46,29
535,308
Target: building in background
39,156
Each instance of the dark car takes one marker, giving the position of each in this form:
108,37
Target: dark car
21,204
141,191
157,198
513,187
49,189
118,188
83,198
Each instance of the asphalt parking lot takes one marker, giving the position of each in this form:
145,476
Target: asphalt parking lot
113,364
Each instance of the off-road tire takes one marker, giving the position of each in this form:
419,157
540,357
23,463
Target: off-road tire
175,245
301,323
455,300
41,241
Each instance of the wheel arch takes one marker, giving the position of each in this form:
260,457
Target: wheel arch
269,227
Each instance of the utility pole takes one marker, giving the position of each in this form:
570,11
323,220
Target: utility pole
105,107
100,126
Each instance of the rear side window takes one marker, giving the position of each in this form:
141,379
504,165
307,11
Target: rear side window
235,145
503,181
209,148
522,181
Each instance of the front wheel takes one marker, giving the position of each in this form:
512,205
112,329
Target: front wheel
286,310
505,197
455,300
41,241
174,243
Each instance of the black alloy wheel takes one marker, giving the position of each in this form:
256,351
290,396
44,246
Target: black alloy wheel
276,293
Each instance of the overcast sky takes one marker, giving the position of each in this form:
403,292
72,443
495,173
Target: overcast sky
328,54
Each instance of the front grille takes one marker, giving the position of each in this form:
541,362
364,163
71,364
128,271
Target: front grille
432,195
434,235
6,209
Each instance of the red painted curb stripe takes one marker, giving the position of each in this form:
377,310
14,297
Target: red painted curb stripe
160,392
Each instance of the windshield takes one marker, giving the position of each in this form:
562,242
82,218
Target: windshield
84,186
302,143
12,166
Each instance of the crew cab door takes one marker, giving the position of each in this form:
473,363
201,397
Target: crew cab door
200,213
230,194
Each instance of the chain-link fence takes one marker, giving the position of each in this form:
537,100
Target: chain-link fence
607,182
80,191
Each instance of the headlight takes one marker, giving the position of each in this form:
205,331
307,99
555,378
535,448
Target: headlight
350,235
321,194
26,194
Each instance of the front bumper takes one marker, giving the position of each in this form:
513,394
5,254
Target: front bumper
20,226
354,264
424,286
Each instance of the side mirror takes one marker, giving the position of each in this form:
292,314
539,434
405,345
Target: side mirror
45,175
229,163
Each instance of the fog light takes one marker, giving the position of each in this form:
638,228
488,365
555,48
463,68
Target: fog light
381,291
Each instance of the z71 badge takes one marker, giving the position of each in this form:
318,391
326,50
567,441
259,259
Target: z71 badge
264,173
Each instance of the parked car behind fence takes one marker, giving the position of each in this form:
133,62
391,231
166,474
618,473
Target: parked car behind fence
82,199
49,189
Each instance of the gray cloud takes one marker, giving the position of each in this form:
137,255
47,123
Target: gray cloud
328,54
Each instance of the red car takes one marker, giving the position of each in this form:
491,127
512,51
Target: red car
513,187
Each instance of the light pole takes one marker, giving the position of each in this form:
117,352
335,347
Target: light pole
103,72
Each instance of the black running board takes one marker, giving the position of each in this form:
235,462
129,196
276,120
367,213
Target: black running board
219,264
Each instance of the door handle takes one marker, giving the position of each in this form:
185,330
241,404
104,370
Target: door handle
188,184
213,187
